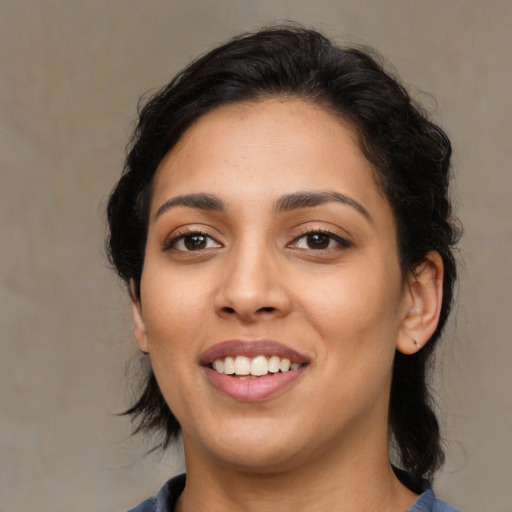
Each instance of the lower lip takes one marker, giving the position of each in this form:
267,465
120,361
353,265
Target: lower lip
252,390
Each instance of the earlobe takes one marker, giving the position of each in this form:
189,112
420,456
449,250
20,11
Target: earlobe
424,295
139,326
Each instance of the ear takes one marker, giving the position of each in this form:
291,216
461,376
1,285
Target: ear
139,327
422,304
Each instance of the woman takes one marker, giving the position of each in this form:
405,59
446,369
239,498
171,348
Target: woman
284,230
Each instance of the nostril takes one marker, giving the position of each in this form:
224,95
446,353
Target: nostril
231,311
267,309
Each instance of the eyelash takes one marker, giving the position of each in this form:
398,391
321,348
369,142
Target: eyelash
342,242
171,243
345,244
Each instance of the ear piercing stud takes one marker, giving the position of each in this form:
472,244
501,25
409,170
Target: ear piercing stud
417,345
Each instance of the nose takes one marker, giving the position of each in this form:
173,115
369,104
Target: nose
253,286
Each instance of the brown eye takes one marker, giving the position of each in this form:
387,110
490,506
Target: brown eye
192,242
318,241
195,242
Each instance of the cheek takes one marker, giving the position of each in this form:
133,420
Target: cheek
174,310
347,304
357,319
174,320
172,292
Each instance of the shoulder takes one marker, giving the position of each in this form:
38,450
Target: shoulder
148,505
166,498
427,502
442,506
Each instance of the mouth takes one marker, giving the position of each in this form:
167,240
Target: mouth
254,370
259,366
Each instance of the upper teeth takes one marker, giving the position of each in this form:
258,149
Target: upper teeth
257,366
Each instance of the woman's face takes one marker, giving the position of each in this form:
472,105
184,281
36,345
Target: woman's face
270,245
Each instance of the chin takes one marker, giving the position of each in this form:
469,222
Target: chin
265,461
256,446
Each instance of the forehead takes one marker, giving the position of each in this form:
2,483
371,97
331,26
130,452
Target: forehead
272,146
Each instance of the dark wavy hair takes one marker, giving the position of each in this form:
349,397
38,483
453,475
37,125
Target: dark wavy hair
410,156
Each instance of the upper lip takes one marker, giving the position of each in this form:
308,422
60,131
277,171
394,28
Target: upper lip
251,348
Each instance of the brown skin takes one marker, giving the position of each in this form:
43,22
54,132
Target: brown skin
322,443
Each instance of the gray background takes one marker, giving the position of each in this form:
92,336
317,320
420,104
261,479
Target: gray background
71,75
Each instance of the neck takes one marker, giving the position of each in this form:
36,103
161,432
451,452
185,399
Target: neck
331,481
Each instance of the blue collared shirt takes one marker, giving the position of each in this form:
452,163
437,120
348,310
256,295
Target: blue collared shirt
165,500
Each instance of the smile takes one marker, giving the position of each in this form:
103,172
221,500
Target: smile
253,370
254,367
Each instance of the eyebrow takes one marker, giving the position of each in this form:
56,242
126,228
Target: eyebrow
300,200
200,201
286,203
